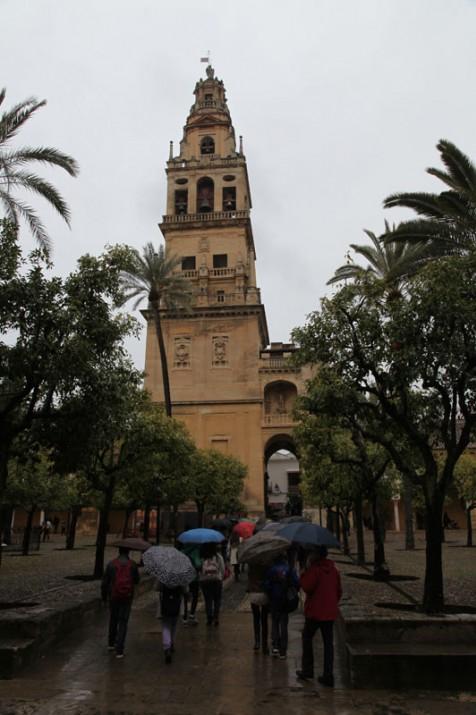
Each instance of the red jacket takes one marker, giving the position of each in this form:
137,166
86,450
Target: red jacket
321,584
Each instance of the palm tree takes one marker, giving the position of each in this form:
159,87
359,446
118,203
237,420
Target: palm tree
14,171
152,275
391,263
448,223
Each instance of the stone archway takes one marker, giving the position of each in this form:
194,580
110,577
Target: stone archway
281,476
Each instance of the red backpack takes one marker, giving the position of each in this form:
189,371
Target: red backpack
123,585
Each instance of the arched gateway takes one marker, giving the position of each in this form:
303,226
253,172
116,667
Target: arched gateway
232,388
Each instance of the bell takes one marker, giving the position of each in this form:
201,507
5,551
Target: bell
205,205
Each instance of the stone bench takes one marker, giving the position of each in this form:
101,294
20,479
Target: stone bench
424,652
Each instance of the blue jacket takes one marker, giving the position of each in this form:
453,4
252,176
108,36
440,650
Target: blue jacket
277,581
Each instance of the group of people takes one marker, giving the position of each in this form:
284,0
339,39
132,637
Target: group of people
273,592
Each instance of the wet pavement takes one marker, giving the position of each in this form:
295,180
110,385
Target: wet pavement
214,672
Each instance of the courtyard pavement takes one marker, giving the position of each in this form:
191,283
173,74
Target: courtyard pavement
215,671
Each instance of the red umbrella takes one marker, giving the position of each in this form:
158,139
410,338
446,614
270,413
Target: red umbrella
245,529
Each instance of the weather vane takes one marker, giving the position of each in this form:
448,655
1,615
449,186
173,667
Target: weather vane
206,58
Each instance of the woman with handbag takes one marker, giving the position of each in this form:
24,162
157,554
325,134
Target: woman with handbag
259,602
281,585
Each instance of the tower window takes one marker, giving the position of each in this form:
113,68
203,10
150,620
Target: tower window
188,263
181,199
229,198
209,100
220,260
205,195
220,296
207,146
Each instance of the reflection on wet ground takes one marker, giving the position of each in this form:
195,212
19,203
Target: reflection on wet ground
215,672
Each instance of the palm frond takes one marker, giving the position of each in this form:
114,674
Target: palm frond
17,208
460,167
424,204
35,183
350,271
44,155
11,121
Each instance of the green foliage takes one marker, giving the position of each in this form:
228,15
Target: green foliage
162,452
34,484
63,337
448,223
465,479
408,368
387,261
216,480
154,276
14,175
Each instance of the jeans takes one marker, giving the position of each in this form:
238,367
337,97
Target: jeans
169,626
193,595
212,594
308,633
260,623
279,630
119,617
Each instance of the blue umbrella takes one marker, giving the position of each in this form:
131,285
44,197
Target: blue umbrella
306,533
201,536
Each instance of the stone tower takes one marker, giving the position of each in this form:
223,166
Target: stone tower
217,353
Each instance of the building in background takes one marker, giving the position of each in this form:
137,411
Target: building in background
233,389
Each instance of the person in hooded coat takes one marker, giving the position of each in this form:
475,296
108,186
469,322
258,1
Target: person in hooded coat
322,586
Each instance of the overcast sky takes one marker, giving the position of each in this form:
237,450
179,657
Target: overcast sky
340,103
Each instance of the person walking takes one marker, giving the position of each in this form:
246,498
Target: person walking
211,577
322,586
168,610
191,596
279,578
259,602
234,563
120,577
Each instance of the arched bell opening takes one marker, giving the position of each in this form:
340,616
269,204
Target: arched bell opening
205,195
282,477
207,144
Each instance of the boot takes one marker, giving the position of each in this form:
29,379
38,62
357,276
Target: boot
256,646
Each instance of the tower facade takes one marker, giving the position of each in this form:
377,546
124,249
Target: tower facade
218,355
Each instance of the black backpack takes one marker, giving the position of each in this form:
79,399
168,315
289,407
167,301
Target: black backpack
171,599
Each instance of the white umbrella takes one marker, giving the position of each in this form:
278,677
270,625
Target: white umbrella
172,567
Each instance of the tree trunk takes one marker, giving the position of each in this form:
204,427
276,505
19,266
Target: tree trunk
408,510
173,523
201,512
146,522
381,571
3,485
163,358
125,529
345,536
433,599
337,523
469,527
158,524
329,524
74,514
27,533
359,530
102,529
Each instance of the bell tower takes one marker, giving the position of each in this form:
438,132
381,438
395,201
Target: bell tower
214,350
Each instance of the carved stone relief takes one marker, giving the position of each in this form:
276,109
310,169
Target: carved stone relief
182,349
220,350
